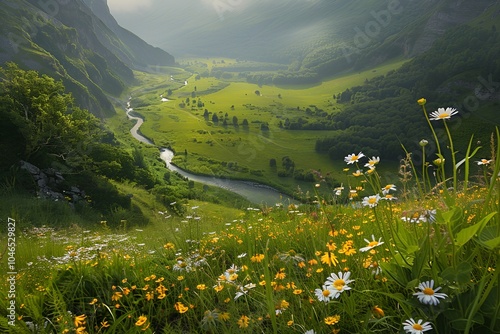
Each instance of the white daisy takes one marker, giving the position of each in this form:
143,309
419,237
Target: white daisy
372,162
339,283
442,113
326,294
483,162
412,327
371,201
428,295
240,293
389,197
428,216
388,188
338,191
352,158
372,244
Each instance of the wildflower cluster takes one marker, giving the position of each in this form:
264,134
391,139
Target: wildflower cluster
416,261
371,178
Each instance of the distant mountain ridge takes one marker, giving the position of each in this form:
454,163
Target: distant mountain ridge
68,41
136,53
316,38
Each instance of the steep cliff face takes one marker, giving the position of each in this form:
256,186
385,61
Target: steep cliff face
132,50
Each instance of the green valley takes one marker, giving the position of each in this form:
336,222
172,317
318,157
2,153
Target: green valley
307,167
230,128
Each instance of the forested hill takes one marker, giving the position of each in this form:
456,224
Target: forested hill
66,40
461,70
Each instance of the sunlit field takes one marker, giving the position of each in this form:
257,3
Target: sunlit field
181,124
419,256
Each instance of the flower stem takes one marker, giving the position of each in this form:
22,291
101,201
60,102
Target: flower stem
443,177
453,158
423,169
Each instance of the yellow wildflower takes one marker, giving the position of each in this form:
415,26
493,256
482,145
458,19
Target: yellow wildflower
141,321
181,308
80,320
332,320
243,322
329,259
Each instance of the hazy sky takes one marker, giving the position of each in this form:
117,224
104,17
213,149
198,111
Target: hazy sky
167,23
180,26
129,6
121,7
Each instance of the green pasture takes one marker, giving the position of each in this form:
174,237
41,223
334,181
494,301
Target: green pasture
209,145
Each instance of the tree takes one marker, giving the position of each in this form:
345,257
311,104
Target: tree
245,123
288,164
45,115
215,118
235,121
272,163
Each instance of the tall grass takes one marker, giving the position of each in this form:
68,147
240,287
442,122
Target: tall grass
364,263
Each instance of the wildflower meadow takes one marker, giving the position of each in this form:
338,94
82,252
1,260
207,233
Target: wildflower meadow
419,255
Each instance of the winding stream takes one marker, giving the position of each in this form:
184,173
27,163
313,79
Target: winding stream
254,192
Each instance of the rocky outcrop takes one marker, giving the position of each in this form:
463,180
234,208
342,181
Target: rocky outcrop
50,184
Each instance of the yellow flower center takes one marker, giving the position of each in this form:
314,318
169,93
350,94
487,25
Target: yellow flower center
372,200
354,158
418,327
339,284
444,115
428,291
326,293
373,244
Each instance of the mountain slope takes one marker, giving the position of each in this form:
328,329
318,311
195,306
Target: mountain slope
323,37
70,43
460,70
132,50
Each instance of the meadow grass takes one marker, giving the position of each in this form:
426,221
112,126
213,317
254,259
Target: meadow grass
377,259
209,144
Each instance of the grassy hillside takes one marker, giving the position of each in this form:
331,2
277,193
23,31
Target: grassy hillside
395,261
